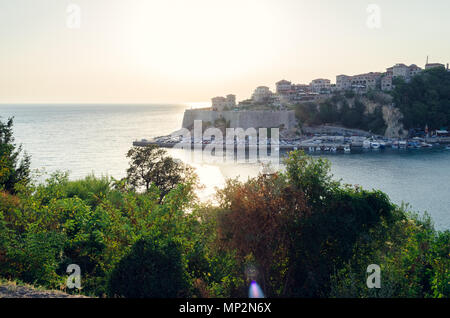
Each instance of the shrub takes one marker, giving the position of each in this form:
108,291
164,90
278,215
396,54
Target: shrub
89,189
154,268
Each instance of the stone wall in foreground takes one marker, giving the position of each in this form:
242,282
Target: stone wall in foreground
243,119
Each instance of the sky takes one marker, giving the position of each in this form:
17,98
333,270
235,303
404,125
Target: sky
182,51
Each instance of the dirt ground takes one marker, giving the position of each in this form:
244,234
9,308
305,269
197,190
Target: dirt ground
11,290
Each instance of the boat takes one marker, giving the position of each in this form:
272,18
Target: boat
375,145
333,149
402,144
311,149
447,148
347,149
318,149
366,144
395,145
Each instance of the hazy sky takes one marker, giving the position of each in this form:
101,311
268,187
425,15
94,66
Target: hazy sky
142,51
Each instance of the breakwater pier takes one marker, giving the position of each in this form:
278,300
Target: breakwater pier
309,144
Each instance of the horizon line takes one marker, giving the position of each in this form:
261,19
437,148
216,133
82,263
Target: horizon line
102,103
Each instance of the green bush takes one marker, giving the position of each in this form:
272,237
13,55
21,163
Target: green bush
154,268
89,189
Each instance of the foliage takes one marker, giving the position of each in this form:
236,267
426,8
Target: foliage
150,165
14,169
254,222
345,111
307,113
299,233
297,227
414,260
154,268
62,222
425,100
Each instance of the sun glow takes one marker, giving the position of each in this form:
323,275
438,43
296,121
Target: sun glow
177,50
199,40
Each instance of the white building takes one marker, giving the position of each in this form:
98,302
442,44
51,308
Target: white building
343,82
320,85
283,87
429,66
221,103
262,94
386,82
367,81
399,71
362,82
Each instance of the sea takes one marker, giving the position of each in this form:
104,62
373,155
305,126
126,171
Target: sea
94,139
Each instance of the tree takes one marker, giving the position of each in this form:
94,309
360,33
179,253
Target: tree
254,223
151,165
375,122
154,268
424,100
298,227
13,168
328,112
306,113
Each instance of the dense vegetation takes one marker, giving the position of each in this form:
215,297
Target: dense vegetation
13,168
345,110
298,233
425,100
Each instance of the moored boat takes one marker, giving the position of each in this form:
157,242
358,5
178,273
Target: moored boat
366,144
375,145
395,145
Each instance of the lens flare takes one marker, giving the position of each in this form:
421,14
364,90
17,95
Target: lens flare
255,291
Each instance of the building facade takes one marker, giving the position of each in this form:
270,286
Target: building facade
283,87
320,86
429,66
343,82
262,94
368,81
399,71
362,82
386,82
222,103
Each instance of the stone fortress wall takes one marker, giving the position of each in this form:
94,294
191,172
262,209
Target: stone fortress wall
243,119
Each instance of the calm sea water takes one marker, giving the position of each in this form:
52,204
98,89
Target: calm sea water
88,139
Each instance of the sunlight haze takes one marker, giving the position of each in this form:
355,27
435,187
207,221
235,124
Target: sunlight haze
189,51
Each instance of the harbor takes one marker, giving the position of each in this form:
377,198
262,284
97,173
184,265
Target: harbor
311,144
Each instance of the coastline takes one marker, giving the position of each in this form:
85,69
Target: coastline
310,144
